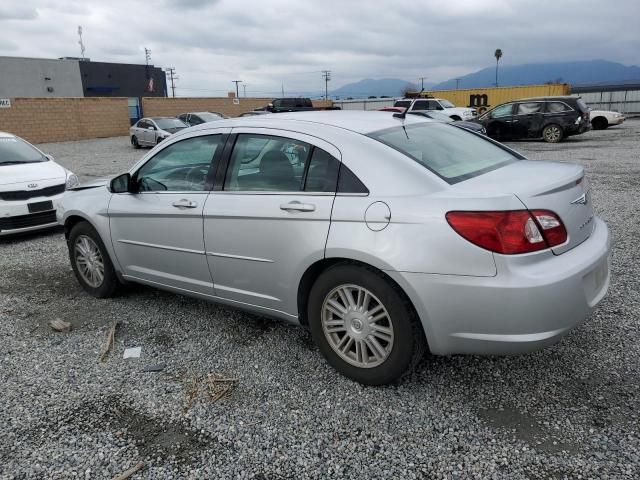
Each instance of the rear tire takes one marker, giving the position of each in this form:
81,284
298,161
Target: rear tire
90,261
552,133
134,142
599,123
363,325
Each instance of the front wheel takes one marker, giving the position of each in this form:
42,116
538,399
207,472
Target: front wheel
552,133
90,261
363,325
134,142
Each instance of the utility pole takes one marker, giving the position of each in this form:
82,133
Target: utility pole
237,82
171,72
422,83
244,89
326,74
282,89
457,83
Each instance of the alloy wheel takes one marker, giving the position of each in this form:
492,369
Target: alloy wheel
89,261
357,326
553,134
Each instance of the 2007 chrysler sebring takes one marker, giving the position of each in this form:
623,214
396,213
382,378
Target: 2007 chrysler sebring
384,235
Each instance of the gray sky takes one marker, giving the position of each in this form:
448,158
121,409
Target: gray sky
265,43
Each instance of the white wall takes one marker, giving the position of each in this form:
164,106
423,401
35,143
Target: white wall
27,77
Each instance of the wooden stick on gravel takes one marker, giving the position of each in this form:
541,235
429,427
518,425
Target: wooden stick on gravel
111,336
124,475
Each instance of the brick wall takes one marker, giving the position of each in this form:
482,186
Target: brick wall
154,106
58,119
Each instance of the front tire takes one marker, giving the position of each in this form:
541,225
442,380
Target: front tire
90,261
552,133
363,325
134,142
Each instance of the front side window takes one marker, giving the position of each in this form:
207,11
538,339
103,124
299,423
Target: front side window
421,105
529,108
447,104
501,111
451,153
267,163
434,105
181,167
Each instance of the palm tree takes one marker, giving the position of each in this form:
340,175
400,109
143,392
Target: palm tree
498,55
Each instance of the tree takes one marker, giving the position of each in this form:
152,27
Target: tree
408,90
498,55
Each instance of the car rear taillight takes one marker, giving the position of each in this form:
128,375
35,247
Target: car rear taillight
509,232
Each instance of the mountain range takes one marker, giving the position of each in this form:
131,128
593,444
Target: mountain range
576,73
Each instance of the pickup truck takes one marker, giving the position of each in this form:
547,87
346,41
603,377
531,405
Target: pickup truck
445,106
294,105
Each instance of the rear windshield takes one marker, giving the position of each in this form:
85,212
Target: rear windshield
15,151
453,154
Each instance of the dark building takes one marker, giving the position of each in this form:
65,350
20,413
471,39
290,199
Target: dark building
101,79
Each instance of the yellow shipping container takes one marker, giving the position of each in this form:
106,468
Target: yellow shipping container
484,99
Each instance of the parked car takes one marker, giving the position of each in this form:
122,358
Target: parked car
601,119
440,117
148,132
297,104
552,118
381,234
429,104
196,118
31,185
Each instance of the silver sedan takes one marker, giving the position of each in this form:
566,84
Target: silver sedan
385,236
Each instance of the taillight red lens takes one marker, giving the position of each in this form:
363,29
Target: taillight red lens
509,232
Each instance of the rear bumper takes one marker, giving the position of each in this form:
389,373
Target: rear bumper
532,302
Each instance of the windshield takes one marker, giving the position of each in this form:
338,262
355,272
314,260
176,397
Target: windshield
165,123
451,153
209,116
439,116
447,104
14,151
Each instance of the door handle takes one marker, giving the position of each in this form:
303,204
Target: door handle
184,203
298,207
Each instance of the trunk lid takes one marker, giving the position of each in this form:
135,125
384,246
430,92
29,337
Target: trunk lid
558,187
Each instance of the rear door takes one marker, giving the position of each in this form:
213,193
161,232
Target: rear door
268,220
527,119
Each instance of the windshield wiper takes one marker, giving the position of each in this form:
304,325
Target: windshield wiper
18,162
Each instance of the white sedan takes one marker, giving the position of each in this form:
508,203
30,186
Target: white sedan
31,185
601,119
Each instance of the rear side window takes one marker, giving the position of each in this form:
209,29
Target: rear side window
322,174
451,153
529,108
402,103
421,105
557,107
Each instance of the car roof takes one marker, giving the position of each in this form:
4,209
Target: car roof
157,118
363,122
7,135
562,98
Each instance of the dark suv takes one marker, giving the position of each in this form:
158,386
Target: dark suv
552,118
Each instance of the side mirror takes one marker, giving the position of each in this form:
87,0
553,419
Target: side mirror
121,184
151,127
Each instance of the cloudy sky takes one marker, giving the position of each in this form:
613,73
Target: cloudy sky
273,42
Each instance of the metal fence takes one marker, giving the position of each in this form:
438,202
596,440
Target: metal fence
620,98
365,104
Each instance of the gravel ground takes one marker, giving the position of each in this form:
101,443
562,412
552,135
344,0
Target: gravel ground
570,411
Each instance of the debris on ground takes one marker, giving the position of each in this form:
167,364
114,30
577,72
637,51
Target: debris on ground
60,325
219,387
132,352
155,368
126,474
108,344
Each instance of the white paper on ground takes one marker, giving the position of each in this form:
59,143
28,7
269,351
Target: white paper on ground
133,352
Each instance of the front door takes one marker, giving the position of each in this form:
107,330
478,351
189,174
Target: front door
499,124
527,119
270,217
157,231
